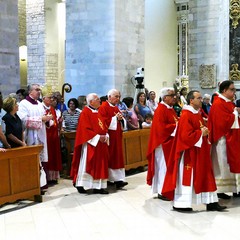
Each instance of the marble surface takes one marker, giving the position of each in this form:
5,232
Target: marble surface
131,213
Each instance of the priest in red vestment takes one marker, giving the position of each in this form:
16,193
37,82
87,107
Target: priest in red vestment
115,123
161,138
54,164
189,178
223,124
89,168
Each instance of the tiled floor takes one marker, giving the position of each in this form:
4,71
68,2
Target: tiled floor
127,214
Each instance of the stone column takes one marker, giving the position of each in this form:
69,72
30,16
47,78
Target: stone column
104,45
208,43
36,41
9,51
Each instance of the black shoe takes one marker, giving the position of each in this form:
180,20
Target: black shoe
215,207
110,183
236,194
182,209
120,184
100,191
81,190
43,192
223,196
52,182
163,198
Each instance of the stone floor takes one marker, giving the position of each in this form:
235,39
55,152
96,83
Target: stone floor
132,213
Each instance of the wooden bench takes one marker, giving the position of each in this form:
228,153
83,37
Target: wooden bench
19,174
69,141
135,144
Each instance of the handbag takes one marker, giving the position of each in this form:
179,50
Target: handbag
43,177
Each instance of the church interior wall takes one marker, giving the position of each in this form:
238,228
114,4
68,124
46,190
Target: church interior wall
136,38
9,51
160,44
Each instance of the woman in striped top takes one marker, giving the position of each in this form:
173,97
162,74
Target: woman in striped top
70,116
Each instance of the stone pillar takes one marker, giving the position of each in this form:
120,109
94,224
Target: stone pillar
36,41
208,43
104,45
9,51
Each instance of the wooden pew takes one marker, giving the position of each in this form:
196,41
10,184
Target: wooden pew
69,140
19,174
135,145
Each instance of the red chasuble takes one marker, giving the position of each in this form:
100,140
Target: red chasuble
163,125
89,125
53,142
220,121
195,158
116,160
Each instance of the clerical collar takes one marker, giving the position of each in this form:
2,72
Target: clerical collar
46,106
166,104
94,109
190,108
31,100
224,98
110,104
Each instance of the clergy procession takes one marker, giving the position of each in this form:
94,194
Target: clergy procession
192,154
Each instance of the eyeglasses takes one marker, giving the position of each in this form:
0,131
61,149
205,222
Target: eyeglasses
37,89
171,95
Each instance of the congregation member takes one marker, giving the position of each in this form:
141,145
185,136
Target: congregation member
141,107
132,119
189,178
147,123
223,123
54,164
178,105
183,93
14,130
90,159
115,123
160,141
71,115
206,104
60,102
82,102
3,140
21,94
151,102
32,115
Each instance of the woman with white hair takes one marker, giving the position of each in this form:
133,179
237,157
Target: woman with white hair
206,104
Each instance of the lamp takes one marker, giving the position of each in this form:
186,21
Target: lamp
23,53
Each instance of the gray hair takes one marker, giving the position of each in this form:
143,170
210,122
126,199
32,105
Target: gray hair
112,91
206,96
90,97
165,91
32,85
